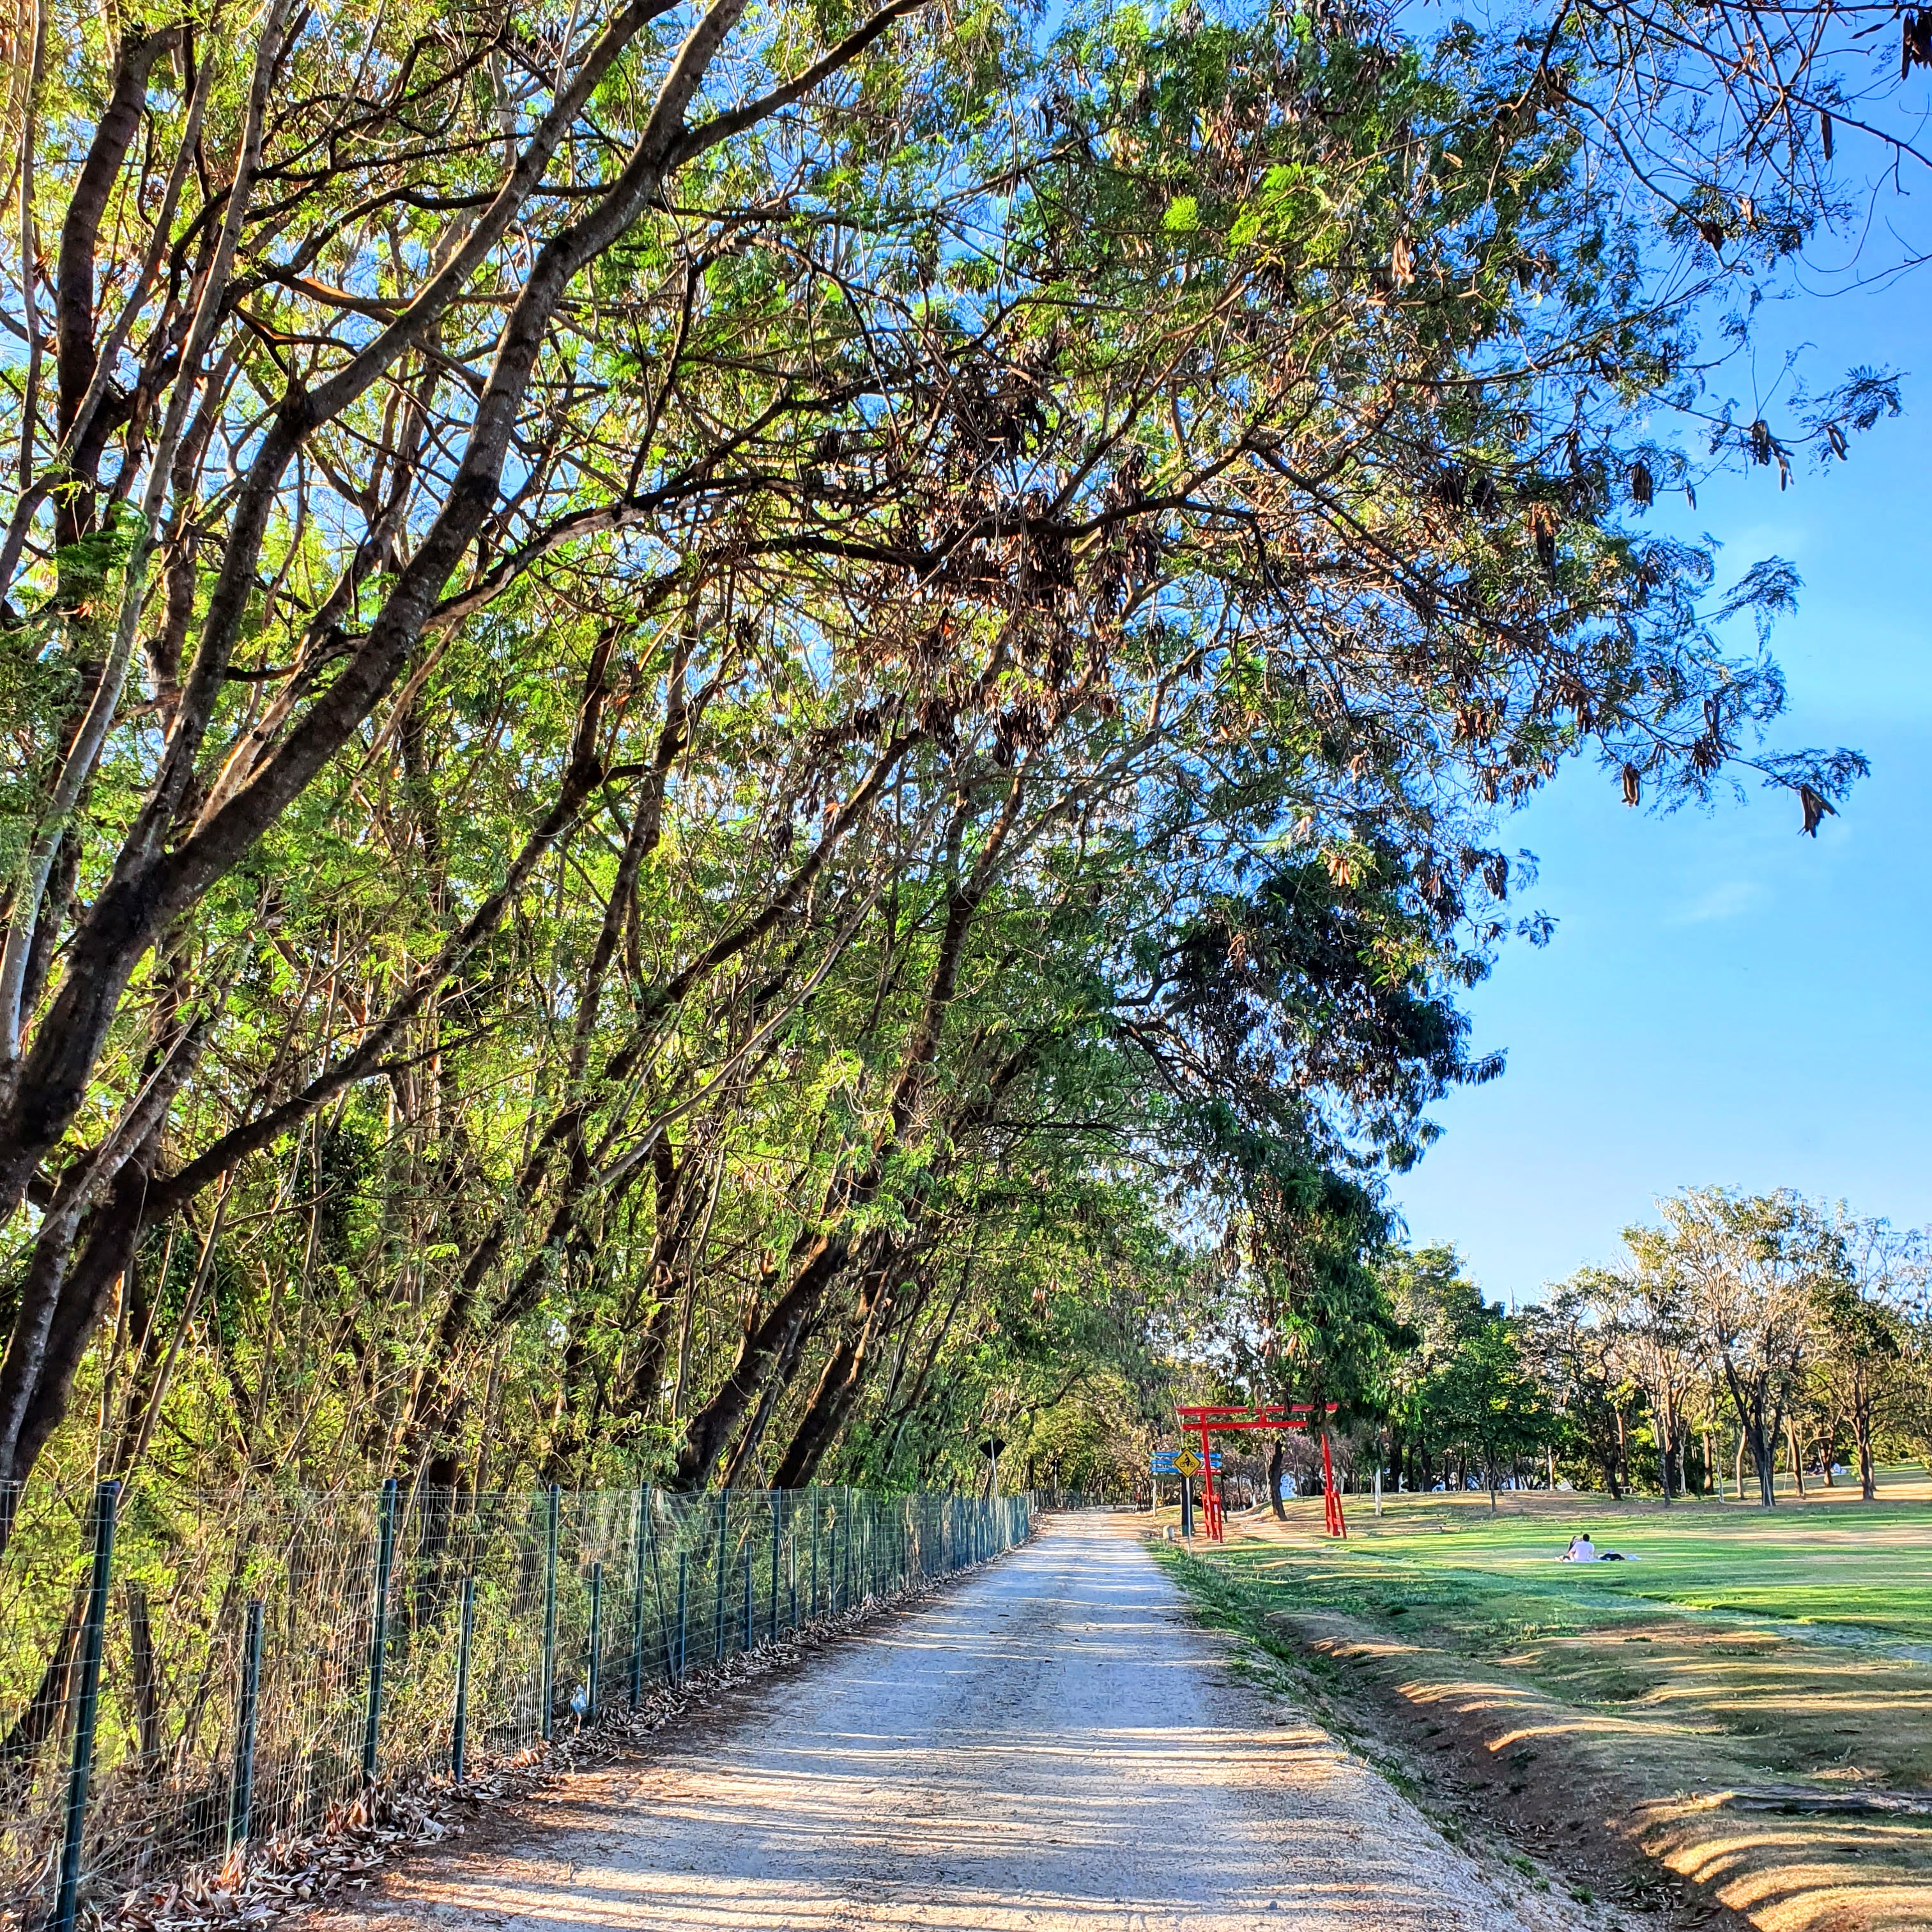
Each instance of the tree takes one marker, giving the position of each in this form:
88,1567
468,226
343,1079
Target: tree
1650,1307
1483,1403
1915,1416
1751,1267
1571,1344
1439,1309
1860,1341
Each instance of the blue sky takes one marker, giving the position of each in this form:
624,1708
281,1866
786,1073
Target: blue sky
1724,1000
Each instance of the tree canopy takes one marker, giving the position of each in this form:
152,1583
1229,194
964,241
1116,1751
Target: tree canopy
739,741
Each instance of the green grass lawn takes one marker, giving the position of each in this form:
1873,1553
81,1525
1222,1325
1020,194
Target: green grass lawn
1868,1566
1740,1650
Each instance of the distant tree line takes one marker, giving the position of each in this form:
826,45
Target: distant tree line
1742,1332
1741,1338
1742,1335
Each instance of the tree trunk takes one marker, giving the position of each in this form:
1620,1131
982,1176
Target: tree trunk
146,1683
1277,1457
44,1709
1764,1459
1862,1432
840,1381
82,1261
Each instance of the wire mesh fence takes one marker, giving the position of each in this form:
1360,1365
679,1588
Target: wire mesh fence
180,1678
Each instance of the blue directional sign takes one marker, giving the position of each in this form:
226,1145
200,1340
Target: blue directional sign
1163,1462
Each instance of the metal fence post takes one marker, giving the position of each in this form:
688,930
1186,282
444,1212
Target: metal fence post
683,1569
814,1552
549,1615
791,1575
751,1558
596,1642
242,1798
777,1504
717,1607
637,1596
379,1641
93,1631
466,1625
657,1591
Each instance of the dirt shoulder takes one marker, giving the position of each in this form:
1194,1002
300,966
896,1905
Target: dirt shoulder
1696,1772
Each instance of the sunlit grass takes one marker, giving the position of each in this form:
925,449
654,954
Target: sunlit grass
1795,1634
1832,1560
1748,1699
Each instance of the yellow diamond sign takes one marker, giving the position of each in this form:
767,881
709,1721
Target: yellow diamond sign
1186,1462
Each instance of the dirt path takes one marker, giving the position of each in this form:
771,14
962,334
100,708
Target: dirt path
1050,1745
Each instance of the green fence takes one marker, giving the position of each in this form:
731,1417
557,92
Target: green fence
182,1679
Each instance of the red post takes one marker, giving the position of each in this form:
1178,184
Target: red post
1212,1501
1331,1496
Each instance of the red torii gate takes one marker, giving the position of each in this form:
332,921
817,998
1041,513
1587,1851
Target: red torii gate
1207,1418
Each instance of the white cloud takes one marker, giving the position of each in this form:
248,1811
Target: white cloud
1723,901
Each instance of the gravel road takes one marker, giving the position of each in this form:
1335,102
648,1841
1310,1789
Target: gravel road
1049,1744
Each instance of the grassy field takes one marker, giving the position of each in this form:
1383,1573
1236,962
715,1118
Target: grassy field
1748,1699
1861,1567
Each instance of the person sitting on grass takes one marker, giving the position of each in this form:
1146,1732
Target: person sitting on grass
1582,1550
